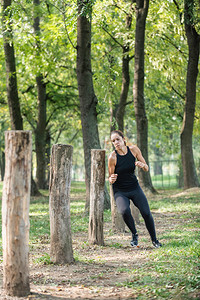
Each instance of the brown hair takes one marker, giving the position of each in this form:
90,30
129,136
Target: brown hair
120,133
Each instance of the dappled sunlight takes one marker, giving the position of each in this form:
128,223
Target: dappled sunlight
117,269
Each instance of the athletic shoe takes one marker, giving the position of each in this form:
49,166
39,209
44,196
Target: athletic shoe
134,241
157,244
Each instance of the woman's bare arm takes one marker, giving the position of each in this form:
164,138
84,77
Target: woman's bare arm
111,167
141,163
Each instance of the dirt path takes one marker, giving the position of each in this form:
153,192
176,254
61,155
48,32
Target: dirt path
98,272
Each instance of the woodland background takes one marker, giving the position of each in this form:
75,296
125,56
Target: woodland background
40,56
73,71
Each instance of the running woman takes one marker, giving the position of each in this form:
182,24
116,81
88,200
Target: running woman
121,167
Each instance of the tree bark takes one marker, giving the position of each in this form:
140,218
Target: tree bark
59,204
124,89
2,164
138,90
40,132
120,111
97,197
193,40
48,154
11,74
87,97
34,188
15,213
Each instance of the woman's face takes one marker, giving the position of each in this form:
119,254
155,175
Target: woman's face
117,141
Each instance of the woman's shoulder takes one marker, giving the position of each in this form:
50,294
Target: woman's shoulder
134,149
112,156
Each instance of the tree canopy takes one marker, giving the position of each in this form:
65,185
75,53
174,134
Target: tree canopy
166,55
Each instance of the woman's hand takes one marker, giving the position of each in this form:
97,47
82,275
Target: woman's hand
113,178
142,165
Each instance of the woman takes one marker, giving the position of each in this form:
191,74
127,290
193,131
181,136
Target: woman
121,167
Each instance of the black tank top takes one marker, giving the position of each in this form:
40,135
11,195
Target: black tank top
125,168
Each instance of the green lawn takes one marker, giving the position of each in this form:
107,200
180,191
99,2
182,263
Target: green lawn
165,181
171,272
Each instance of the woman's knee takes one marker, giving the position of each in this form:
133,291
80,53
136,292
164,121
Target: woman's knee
125,212
123,204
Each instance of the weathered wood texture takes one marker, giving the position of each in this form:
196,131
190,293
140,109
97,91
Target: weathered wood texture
97,197
15,213
59,204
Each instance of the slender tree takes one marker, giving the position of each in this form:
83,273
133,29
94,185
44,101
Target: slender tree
138,89
120,111
193,40
11,74
40,131
87,97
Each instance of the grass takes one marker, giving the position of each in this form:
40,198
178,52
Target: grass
165,181
170,272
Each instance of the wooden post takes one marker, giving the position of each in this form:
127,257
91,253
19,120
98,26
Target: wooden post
15,213
59,204
97,197
117,220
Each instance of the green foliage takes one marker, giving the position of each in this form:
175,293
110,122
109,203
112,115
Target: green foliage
44,259
165,70
116,245
86,8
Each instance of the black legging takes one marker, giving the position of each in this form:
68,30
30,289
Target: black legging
140,200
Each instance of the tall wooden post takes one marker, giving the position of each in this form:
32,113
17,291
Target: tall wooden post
97,197
15,213
59,204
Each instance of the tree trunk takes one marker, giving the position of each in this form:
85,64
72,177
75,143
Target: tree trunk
11,75
48,154
40,132
59,204
120,112
193,40
124,89
2,165
40,135
97,197
88,99
34,188
15,213
138,90
117,220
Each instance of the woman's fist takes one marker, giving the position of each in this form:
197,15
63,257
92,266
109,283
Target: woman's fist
113,178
